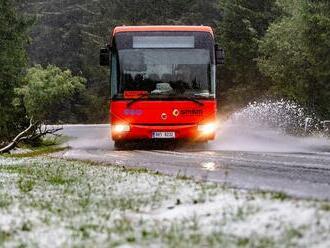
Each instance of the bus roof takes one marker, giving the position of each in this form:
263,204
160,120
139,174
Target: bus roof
121,29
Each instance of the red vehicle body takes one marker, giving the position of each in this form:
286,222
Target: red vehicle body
162,82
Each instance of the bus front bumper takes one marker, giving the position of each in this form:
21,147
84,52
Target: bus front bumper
194,132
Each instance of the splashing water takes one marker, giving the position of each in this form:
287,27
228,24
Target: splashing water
285,116
271,126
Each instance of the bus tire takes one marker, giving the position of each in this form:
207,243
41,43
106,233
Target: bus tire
119,144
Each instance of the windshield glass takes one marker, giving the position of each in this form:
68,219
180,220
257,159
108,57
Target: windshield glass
165,71
162,66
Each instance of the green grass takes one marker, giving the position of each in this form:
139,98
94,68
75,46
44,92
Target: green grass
274,195
37,152
45,146
279,196
325,207
59,180
89,205
4,236
25,184
5,200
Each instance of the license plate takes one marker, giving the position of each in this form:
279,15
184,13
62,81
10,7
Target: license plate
163,135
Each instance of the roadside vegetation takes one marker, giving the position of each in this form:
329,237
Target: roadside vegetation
56,203
44,146
30,98
274,48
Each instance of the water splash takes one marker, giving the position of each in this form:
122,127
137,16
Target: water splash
284,116
271,126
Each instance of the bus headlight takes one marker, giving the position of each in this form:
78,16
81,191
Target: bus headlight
207,129
120,128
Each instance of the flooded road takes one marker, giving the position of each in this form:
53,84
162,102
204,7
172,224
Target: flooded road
302,171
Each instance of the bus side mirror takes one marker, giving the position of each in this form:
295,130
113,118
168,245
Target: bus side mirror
104,56
219,55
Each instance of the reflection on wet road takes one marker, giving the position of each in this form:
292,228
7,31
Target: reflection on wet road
303,171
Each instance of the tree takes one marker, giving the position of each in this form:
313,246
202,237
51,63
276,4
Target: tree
295,53
317,41
13,39
201,12
50,92
46,94
243,24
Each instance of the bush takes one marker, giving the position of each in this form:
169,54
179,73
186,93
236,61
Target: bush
50,92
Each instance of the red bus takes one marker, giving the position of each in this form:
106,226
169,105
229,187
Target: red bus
163,83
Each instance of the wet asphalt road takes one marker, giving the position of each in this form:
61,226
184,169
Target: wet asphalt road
299,172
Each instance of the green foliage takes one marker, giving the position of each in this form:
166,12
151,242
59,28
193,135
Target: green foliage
295,53
283,55
317,33
243,24
273,47
48,90
13,40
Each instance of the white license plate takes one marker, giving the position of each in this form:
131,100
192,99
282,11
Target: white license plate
163,135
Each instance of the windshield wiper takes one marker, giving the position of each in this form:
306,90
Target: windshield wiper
192,99
136,99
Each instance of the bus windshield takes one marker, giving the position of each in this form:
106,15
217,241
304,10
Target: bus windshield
162,66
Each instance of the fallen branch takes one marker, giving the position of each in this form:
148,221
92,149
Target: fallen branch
43,131
30,134
17,139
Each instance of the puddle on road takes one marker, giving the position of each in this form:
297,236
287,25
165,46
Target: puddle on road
209,166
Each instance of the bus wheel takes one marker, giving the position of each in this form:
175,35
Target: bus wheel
202,144
120,145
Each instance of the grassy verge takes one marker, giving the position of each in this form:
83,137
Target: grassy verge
45,146
58,203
